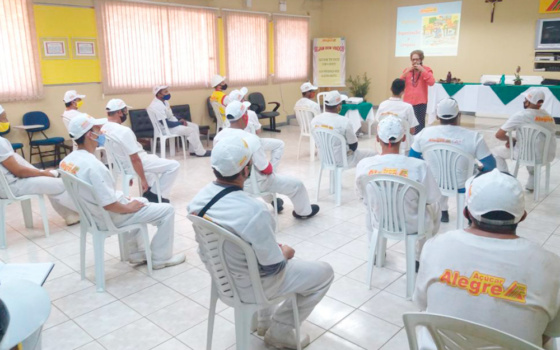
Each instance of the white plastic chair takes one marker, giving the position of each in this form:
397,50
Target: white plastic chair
78,190
321,99
256,192
161,132
304,116
387,194
326,140
446,163
528,153
122,164
28,306
457,334
25,207
211,239
220,122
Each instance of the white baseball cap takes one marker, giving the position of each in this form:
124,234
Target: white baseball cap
158,88
230,155
307,87
237,95
236,109
216,80
1,109
534,95
495,191
71,95
447,108
116,105
334,98
390,127
83,123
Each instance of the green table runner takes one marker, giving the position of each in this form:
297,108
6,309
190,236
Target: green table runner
452,89
507,93
363,108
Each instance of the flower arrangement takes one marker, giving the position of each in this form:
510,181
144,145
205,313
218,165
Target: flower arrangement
517,80
357,87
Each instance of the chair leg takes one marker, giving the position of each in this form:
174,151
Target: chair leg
460,206
147,248
83,237
184,147
153,144
319,184
123,248
536,190
410,264
547,179
381,249
44,215
275,208
162,141
371,256
126,185
242,328
158,190
98,251
311,149
297,324
211,316
298,146
41,157
338,184
2,224
516,169
27,213
331,181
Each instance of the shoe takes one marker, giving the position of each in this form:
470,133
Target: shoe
137,258
262,327
444,216
530,186
150,196
314,210
279,204
174,260
284,337
164,200
207,154
72,219
417,266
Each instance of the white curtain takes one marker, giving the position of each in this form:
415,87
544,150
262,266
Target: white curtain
143,45
291,49
20,74
246,39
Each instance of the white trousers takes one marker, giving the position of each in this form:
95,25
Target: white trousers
276,149
358,155
166,169
501,153
50,186
286,185
192,133
161,215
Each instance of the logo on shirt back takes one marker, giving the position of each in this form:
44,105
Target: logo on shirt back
390,171
544,119
324,126
69,168
443,140
480,283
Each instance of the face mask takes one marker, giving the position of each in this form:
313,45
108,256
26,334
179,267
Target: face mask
4,126
224,87
79,104
123,117
525,104
166,97
100,139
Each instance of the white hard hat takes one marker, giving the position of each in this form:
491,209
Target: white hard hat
158,88
334,98
216,80
230,155
447,108
236,109
390,127
307,87
71,95
116,105
83,123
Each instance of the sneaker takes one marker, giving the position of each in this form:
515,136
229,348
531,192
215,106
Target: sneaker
284,337
207,154
444,216
417,266
137,258
262,327
279,204
164,200
72,219
174,260
530,186
314,210
150,196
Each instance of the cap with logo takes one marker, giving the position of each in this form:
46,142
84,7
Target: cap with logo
158,88
236,109
307,87
83,123
495,191
534,95
116,105
230,155
216,80
237,95
334,98
71,95
448,108
390,127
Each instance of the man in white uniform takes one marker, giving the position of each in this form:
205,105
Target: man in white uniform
149,167
161,111
450,133
86,131
486,273
249,219
390,134
73,101
533,114
218,95
23,178
308,93
268,180
331,120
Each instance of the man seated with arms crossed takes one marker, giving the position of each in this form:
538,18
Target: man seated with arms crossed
249,219
161,110
268,180
86,131
451,133
23,178
332,120
148,167
390,134
486,273
532,114
308,93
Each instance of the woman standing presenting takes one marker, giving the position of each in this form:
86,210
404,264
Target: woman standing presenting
417,78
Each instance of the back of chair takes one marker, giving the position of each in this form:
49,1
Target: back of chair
447,163
326,140
304,115
211,111
321,99
140,123
454,333
211,239
118,157
258,104
182,112
387,194
36,117
219,120
530,147
160,127
5,187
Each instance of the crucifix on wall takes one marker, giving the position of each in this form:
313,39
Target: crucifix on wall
493,2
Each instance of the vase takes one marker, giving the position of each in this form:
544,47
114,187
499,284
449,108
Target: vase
517,82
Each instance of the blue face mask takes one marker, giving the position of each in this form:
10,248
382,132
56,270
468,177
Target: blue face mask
166,97
100,139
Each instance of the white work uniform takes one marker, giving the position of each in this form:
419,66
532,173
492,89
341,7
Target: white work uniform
308,103
68,115
397,107
342,126
50,186
469,141
274,146
512,285
410,168
86,167
274,183
166,169
255,225
163,112
527,116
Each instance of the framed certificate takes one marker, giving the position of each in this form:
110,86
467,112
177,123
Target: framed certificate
54,48
84,48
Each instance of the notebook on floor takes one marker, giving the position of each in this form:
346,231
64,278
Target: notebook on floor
34,272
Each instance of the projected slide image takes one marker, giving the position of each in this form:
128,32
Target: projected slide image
440,31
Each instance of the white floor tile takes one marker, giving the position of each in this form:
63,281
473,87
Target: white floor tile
140,335
107,319
365,330
179,316
65,336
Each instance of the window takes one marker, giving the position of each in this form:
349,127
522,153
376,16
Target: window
246,38
144,45
20,76
291,48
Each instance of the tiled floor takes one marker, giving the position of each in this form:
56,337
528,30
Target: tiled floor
169,310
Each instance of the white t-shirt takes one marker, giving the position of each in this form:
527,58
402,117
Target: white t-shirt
253,125
339,124
467,140
398,108
260,161
68,115
411,168
307,103
6,151
534,116
509,284
125,136
161,110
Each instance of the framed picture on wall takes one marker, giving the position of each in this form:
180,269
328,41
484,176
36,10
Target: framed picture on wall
54,48
84,48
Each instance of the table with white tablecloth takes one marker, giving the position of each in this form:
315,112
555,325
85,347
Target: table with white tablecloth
357,113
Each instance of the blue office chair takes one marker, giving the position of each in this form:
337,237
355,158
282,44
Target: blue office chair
16,145
40,118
